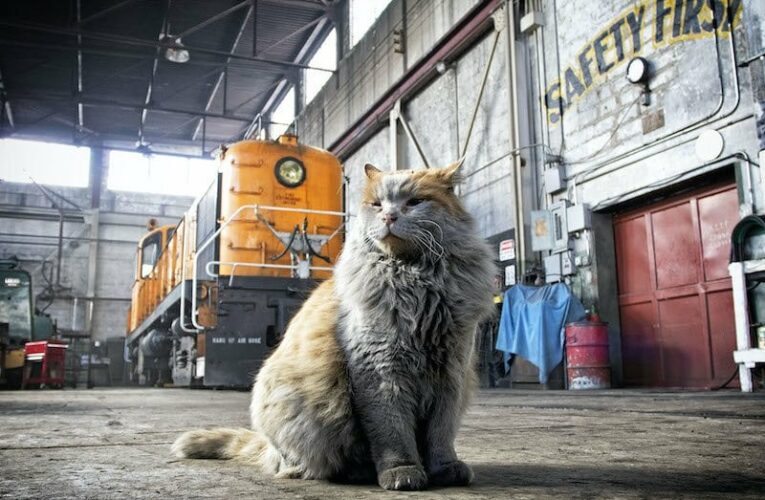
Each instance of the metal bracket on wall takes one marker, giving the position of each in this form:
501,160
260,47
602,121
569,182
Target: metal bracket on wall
396,112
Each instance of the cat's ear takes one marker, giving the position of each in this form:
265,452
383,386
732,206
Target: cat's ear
371,171
451,174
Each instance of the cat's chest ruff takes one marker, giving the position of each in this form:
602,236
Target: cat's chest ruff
410,305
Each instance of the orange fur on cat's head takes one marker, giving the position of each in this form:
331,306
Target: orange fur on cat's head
435,184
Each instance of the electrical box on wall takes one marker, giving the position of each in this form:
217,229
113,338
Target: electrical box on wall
554,181
559,212
553,269
567,265
579,218
542,230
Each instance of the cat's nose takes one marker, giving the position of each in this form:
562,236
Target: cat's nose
389,218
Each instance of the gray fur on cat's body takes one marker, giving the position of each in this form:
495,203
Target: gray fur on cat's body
395,365
407,329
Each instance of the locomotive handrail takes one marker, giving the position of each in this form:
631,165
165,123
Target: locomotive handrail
215,235
234,265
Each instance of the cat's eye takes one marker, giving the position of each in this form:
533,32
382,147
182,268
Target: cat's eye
376,203
413,202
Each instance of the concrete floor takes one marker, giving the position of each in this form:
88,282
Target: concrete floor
521,444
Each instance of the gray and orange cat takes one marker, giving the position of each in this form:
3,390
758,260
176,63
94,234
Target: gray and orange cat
376,370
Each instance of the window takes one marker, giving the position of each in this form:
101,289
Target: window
283,115
159,174
363,15
46,163
325,57
16,303
150,253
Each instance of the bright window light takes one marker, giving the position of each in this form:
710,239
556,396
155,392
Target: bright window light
364,13
46,163
325,57
159,174
284,114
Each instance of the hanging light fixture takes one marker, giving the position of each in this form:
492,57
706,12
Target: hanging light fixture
175,53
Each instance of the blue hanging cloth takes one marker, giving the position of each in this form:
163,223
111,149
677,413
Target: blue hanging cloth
532,324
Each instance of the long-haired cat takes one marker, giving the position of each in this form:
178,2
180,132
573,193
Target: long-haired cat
375,371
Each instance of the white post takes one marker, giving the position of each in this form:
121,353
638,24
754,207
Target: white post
741,314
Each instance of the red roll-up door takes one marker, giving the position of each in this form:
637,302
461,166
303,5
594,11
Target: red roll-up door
675,296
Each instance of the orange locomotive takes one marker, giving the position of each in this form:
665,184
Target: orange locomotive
214,293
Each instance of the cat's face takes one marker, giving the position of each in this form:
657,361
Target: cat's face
408,213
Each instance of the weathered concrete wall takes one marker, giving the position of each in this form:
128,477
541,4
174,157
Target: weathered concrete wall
439,115
604,129
29,228
372,66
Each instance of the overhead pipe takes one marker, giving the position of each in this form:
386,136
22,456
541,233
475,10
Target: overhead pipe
515,139
95,101
138,42
4,42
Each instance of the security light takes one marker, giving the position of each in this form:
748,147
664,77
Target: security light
638,70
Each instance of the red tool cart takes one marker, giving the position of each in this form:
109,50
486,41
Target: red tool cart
44,364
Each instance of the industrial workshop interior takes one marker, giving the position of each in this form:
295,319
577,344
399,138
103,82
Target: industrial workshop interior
359,249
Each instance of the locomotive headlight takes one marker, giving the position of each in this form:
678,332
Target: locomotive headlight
290,172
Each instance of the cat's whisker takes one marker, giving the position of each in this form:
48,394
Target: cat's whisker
429,243
436,224
433,242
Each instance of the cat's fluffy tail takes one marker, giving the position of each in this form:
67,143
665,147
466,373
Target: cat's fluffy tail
222,444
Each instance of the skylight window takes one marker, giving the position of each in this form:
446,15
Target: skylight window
364,13
283,114
44,162
325,57
159,174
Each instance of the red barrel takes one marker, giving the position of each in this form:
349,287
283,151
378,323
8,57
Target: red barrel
587,365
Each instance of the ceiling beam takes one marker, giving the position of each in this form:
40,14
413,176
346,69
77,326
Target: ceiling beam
215,66
317,36
211,20
302,4
155,66
110,103
5,102
294,33
138,42
106,11
223,76
78,89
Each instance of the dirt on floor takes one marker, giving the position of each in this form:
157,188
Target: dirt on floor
114,443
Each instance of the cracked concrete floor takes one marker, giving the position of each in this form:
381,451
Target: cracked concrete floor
113,443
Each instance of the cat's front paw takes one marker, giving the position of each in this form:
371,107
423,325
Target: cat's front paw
405,477
455,473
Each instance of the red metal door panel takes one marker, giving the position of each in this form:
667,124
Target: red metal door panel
675,246
717,221
684,347
641,355
722,334
674,292
633,268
